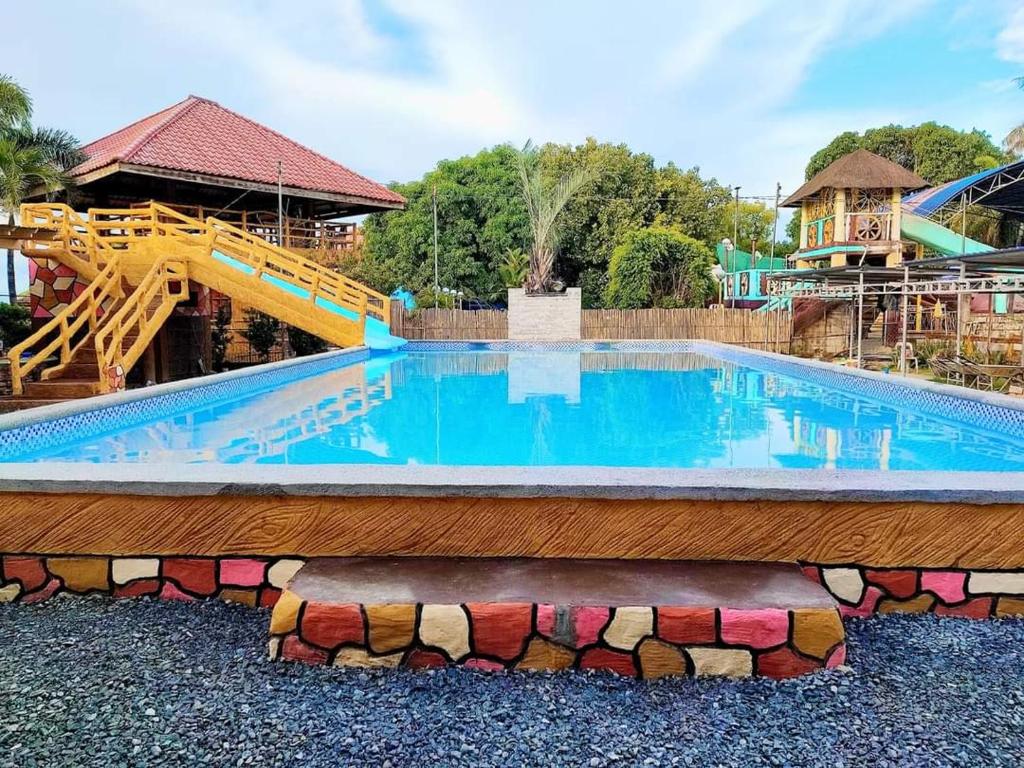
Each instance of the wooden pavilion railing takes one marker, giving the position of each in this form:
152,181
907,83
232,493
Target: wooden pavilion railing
294,232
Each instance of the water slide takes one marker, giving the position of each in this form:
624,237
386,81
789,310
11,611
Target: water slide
937,237
377,334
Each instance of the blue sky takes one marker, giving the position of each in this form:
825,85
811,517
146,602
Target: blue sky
746,89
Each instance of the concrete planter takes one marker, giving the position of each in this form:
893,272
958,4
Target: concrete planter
546,317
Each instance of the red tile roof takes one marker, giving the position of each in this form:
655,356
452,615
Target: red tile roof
200,136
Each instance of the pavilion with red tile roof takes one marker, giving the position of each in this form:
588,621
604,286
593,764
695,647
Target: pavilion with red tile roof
198,153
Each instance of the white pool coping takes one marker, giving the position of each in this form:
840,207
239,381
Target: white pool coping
506,482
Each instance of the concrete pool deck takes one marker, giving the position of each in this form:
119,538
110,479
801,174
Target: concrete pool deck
360,480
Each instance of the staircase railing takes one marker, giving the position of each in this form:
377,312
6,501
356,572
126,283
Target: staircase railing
120,227
86,309
77,238
93,247
144,312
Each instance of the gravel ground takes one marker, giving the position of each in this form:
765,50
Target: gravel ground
92,681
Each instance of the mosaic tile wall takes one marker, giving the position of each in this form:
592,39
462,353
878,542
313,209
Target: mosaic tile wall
249,580
645,642
862,591
52,286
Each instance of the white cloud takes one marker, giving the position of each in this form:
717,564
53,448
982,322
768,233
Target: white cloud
1010,41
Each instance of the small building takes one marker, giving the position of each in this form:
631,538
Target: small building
850,213
745,282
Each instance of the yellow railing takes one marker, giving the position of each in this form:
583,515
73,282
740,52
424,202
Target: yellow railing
233,259
86,309
143,313
78,241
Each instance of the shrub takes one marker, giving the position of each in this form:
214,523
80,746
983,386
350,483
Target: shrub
220,336
261,331
659,266
15,325
304,343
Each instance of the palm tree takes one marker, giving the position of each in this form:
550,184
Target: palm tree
30,158
15,104
543,205
1014,140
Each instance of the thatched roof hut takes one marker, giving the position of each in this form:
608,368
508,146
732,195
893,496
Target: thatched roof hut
862,170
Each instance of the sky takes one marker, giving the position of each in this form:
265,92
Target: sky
744,89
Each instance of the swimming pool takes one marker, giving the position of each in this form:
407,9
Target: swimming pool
687,405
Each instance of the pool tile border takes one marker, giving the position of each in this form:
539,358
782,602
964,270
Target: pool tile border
27,431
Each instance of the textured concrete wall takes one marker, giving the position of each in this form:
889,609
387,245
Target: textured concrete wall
554,317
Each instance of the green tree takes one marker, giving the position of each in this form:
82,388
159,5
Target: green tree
513,268
691,204
481,216
29,158
261,331
755,225
659,266
15,325
937,153
620,195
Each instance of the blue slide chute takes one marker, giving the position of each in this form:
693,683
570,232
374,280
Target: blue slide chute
376,335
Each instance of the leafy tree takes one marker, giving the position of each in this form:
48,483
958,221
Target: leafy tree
692,205
659,266
544,205
620,195
755,225
29,158
261,331
480,216
15,325
937,153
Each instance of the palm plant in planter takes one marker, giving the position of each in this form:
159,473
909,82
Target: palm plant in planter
544,203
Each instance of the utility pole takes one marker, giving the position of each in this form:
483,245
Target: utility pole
280,208
434,203
775,222
736,221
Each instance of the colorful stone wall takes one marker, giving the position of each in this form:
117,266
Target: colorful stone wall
52,286
249,580
644,642
977,594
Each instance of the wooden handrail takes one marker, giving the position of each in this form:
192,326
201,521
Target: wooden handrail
86,308
167,280
93,246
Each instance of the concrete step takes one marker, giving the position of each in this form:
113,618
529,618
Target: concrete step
60,389
645,618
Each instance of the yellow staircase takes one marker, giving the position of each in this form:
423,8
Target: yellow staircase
139,262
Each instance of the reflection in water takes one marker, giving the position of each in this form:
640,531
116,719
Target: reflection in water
526,408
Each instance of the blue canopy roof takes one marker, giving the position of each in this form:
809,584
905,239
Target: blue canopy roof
999,188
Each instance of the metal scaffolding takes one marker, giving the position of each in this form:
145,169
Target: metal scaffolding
996,272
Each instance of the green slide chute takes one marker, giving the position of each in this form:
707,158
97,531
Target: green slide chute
937,237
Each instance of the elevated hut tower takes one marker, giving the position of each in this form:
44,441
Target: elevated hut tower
850,212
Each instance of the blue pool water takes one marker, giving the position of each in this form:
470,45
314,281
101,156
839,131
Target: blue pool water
615,408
